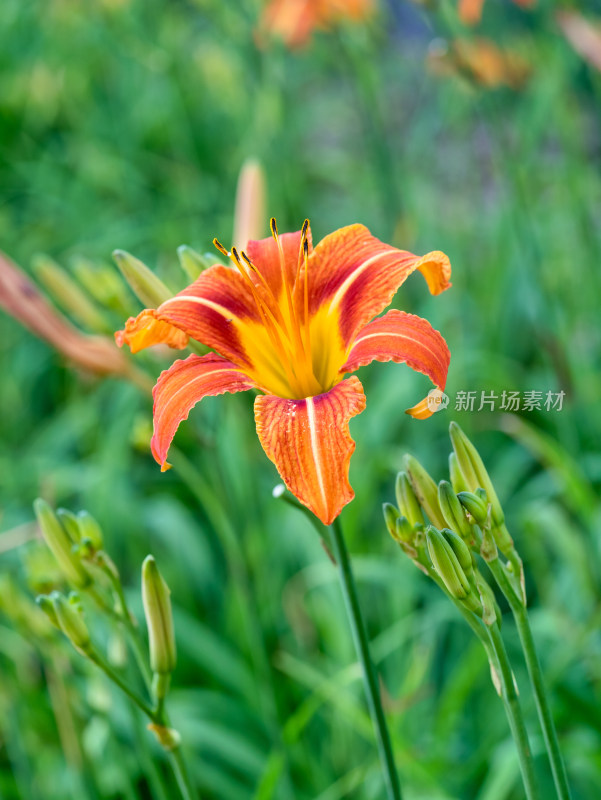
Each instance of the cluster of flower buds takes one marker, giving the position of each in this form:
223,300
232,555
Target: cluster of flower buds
69,541
442,528
77,544
66,614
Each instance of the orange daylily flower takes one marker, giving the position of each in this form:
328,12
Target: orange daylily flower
481,61
293,21
290,321
470,11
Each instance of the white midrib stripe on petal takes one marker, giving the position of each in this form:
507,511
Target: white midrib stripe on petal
343,288
315,448
202,301
186,386
360,339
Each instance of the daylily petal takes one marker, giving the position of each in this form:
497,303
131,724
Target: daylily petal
181,386
265,255
470,11
293,22
309,443
404,338
146,329
213,310
353,277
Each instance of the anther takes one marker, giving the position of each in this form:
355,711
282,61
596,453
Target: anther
221,248
274,228
248,261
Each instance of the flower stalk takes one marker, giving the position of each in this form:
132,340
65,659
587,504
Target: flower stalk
370,678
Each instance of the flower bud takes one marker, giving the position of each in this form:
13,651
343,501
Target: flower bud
407,501
103,284
425,490
405,532
457,480
474,471
475,506
249,212
148,287
461,550
194,263
70,618
44,602
69,522
60,544
452,510
69,295
446,564
391,516
90,529
159,618
489,602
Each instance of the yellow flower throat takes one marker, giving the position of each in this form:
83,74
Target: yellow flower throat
293,355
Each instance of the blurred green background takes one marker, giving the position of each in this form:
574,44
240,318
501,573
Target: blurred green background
124,124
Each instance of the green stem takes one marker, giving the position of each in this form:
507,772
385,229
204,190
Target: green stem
181,773
157,716
520,614
494,647
370,677
514,713
114,676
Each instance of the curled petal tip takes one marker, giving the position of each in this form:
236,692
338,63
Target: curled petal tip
147,329
436,269
420,411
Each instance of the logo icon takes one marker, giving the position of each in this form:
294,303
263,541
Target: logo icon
437,400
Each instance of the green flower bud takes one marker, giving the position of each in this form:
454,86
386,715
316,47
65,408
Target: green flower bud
474,471
90,529
475,506
425,490
452,510
407,501
407,536
68,293
405,532
148,287
69,522
60,544
159,618
446,564
102,283
461,551
192,262
457,480
489,602
71,621
44,602
390,517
